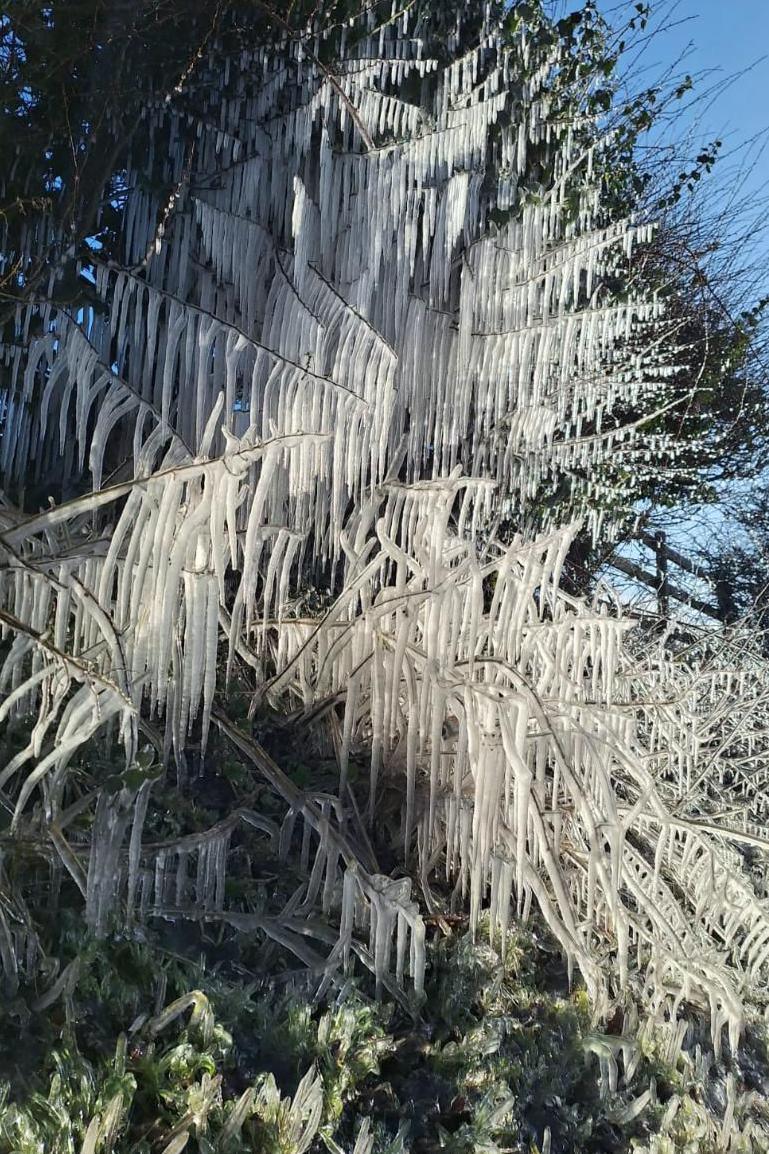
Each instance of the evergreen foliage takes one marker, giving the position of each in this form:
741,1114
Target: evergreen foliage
151,1050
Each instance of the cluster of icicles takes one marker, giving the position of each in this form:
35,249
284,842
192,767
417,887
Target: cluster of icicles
332,361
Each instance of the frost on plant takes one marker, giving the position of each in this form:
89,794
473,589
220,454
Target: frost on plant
361,341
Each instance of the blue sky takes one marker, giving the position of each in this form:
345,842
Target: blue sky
725,45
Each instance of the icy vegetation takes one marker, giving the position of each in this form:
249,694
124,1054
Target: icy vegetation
504,1061
354,342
